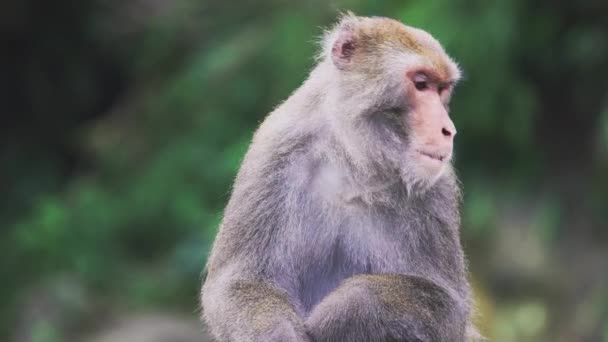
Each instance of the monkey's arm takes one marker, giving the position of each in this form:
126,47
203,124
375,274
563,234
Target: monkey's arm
242,299
250,310
387,307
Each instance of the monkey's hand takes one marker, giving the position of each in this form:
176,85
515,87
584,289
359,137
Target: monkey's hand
387,307
251,310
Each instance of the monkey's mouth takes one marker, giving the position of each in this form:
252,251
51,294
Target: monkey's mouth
436,156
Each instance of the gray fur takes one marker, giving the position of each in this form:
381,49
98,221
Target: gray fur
328,236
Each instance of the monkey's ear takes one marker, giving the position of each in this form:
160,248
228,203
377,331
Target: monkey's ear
344,47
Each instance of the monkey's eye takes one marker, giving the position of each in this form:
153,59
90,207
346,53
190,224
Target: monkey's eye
422,85
421,82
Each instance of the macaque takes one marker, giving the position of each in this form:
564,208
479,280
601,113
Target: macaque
343,223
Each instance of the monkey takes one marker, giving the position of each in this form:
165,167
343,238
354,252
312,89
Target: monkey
343,221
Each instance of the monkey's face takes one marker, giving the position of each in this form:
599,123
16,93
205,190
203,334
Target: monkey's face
409,129
430,130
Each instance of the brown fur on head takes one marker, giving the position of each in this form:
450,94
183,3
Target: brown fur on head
374,37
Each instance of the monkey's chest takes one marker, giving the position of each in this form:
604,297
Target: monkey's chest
333,237
323,274
343,249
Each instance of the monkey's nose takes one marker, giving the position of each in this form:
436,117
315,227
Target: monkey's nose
448,129
448,132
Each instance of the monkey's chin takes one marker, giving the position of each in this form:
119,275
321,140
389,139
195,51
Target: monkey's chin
423,171
432,164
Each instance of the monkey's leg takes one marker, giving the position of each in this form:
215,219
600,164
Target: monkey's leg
387,307
250,310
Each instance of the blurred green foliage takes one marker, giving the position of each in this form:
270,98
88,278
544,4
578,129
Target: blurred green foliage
126,123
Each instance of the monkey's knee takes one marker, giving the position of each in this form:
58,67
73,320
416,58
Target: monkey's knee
350,313
424,311
338,317
388,308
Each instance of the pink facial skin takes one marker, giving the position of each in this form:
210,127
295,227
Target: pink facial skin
432,130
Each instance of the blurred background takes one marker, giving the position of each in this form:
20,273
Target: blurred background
123,124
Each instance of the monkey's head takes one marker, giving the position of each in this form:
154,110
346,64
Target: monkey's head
394,87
